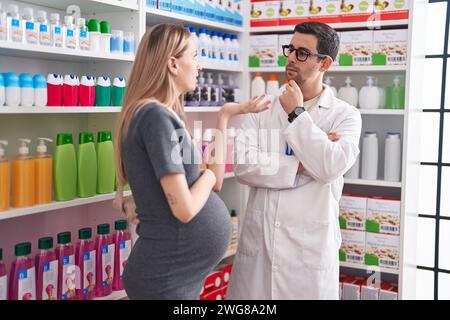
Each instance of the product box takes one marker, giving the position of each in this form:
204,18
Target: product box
383,215
382,250
325,11
283,39
370,292
238,17
390,47
229,11
212,282
214,295
351,288
352,212
342,278
356,10
166,4
353,246
220,11
226,273
388,291
356,48
264,13
392,9
200,9
210,10
263,51
189,7
293,12
152,4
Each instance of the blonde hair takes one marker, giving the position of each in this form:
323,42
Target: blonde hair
150,81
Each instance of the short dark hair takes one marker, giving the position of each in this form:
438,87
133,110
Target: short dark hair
328,39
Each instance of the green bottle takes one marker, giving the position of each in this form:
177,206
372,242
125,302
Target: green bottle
395,95
118,91
65,168
87,166
103,92
106,165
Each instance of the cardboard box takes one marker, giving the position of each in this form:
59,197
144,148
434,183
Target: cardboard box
353,246
325,11
264,13
352,212
390,47
382,250
342,278
356,10
388,291
370,292
391,9
238,16
263,51
283,39
356,48
351,288
383,215
293,12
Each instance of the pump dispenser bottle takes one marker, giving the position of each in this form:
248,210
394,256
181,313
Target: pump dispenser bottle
349,93
43,172
24,177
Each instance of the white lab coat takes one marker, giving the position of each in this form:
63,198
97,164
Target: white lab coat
290,236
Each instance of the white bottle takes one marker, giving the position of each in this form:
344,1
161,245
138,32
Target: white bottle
353,173
215,48
258,86
12,88
40,90
369,167
26,90
236,50
329,83
15,29
3,24
82,35
392,157
30,30
45,36
2,90
228,51
382,95
69,33
273,87
194,36
349,93
209,42
221,49
369,96
56,30
203,47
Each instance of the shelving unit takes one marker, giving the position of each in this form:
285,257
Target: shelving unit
339,69
57,110
377,183
368,268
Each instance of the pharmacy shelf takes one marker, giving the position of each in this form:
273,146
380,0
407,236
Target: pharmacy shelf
57,110
223,68
338,69
116,295
368,268
201,109
90,6
56,205
377,183
382,112
155,16
33,51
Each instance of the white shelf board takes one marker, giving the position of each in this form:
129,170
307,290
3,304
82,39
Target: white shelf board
34,51
57,110
382,112
115,295
188,109
155,16
368,268
89,6
378,183
223,67
338,69
55,205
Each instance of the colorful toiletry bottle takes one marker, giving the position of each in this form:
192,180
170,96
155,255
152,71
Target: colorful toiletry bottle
3,279
87,166
83,35
54,90
122,242
2,90
5,178
46,270
26,90
94,35
105,248
65,168
14,22
65,254
43,173
87,91
22,278
12,89
396,95
69,33
40,90
105,163
85,259
118,91
70,90
24,193
103,92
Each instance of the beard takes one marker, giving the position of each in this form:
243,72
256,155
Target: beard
297,77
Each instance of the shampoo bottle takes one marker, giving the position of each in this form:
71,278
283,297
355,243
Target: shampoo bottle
26,90
24,177
46,270
40,90
118,91
87,166
87,91
44,173
396,95
65,254
54,90
369,96
103,92
3,279
5,178
122,243
105,248
105,163
22,277
65,168
85,259
349,93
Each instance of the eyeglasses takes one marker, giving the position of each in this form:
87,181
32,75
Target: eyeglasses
301,54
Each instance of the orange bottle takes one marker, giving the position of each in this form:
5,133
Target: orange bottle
5,178
44,173
23,177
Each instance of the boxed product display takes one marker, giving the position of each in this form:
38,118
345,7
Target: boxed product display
263,51
326,11
370,291
264,13
356,10
388,291
351,288
382,250
283,39
353,246
352,212
212,282
293,12
356,48
390,47
383,215
392,10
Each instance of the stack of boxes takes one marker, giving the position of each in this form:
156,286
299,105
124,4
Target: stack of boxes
216,283
360,288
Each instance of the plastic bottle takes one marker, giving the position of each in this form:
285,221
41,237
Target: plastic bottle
128,43
87,91
2,90
55,85
233,92
5,177
46,270
353,173
105,248
382,92
43,173
83,35
117,41
30,30
69,33
85,259
15,27
24,178
103,92
3,279
369,167
87,166
12,86
273,87
194,36
105,163
214,48
65,254
105,37
229,166
207,145
221,48
396,95
369,96
71,89
40,90
223,88
118,91
258,86
3,24
204,91
22,276
349,93
45,35
392,157
214,89
203,47
329,83
236,50
56,31
94,35
229,59
122,243
26,90
65,168
209,43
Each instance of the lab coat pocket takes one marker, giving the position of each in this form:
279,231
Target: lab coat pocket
251,234
320,245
